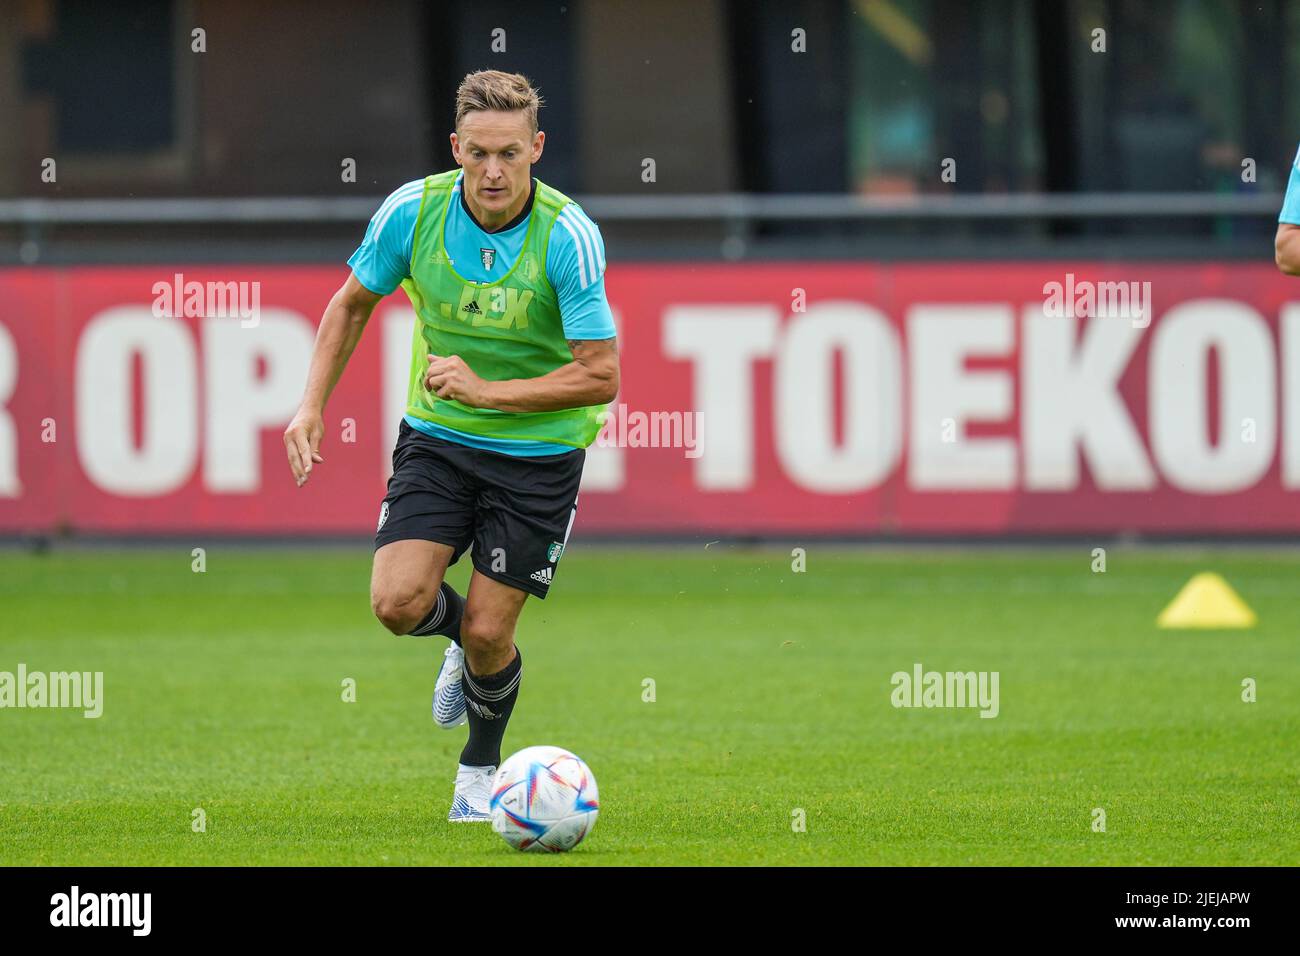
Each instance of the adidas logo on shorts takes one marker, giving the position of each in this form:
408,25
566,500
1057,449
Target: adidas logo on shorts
543,575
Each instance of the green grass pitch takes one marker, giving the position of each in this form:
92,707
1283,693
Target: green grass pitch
223,691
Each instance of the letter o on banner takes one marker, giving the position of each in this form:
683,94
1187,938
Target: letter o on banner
168,449
872,400
1179,396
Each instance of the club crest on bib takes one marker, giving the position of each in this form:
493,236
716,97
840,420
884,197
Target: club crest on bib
489,257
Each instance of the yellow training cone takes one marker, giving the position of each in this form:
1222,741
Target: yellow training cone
1206,601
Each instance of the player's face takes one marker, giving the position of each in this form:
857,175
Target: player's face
497,151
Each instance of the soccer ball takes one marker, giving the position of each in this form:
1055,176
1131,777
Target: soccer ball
544,798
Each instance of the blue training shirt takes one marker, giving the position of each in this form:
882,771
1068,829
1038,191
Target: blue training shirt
1291,204
575,267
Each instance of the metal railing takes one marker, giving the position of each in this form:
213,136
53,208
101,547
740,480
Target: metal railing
731,207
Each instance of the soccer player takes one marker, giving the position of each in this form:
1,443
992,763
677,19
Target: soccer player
513,360
1286,244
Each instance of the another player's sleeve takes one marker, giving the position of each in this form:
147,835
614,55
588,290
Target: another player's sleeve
383,259
1291,204
575,266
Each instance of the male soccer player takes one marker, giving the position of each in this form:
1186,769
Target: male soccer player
513,360
1286,244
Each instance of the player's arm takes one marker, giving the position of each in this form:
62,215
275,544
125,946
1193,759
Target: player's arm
340,330
590,379
1286,248
379,265
1286,244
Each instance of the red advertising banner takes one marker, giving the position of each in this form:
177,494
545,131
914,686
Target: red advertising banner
842,398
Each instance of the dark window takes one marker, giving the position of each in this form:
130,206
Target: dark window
108,70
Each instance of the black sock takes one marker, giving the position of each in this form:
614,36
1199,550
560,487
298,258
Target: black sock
444,617
488,703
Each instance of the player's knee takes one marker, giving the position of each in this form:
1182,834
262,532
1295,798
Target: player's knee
398,610
480,631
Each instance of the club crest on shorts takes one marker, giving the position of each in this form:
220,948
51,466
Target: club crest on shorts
489,257
554,551
383,516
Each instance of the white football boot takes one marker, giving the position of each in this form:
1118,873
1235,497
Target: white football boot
448,695
469,804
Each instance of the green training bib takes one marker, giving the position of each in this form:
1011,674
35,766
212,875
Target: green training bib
506,329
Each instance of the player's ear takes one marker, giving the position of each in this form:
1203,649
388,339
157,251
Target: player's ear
455,149
539,140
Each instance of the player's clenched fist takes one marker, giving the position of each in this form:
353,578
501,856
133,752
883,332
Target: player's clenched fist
302,443
450,377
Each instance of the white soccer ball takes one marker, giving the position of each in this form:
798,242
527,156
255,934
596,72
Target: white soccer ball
544,798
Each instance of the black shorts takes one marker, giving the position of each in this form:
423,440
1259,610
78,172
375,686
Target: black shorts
517,512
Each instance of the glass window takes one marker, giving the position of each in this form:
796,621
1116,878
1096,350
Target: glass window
931,81
108,78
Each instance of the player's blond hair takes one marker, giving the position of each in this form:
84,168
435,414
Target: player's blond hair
495,90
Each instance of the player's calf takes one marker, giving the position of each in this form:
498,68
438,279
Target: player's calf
490,681
489,698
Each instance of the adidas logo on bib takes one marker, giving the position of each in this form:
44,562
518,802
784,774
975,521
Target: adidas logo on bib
543,575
